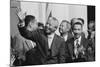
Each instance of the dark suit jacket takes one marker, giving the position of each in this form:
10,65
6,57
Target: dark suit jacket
57,50
41,49
70,47
20,46
70,35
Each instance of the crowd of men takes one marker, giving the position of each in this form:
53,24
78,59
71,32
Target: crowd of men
36,44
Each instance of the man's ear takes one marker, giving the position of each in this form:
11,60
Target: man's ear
29,24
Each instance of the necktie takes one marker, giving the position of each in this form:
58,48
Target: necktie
77,43
77,46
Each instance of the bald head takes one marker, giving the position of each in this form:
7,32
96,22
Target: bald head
51,25
53,21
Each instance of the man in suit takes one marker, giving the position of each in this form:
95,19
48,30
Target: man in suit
77,45
50,46
55,44
64,30
91,37
36,55
21,45
74,20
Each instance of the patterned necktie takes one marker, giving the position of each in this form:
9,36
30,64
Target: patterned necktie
77,46
77,43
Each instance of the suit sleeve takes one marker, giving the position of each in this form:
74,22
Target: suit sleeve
18,47
62,53
68,56
90,52
31,35
25,33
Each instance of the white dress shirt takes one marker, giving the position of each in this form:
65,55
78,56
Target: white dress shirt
65,37
50,39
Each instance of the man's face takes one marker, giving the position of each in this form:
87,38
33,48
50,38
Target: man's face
77,30
33,25
51,26
91,26
64,27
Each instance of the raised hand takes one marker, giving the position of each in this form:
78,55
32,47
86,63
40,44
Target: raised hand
21,15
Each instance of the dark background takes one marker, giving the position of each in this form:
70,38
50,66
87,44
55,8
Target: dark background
91,13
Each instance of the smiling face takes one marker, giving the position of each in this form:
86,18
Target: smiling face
51,26
77,30
64,27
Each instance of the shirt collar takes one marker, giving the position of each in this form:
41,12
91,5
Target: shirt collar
65,37
79,39
51,35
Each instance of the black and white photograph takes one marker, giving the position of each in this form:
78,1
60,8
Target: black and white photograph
45,33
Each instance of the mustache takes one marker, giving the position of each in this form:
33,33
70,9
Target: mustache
46,28
76,33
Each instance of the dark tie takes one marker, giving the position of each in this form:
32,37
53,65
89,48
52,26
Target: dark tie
77,44
49,54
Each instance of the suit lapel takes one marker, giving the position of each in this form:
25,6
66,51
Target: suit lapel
82,41
54,43
71,47
46,44
69,36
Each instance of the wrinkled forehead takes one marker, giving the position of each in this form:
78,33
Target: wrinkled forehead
53,22
77,26
65,23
